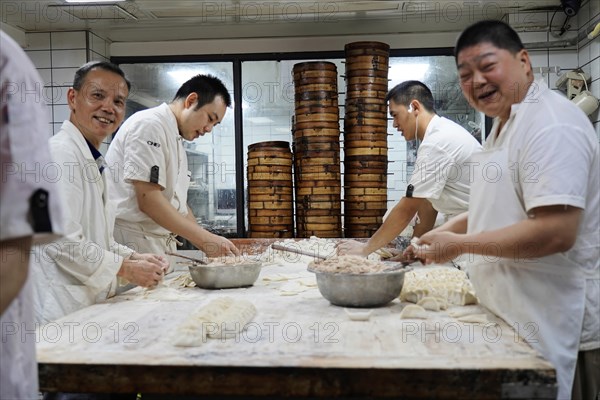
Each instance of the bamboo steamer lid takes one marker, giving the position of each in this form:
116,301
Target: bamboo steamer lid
269,176
270,190
311,74
317,109
366,79
269,183
366,45
350,122
318,132
317,117
308,169
370,136
319,183
315,139
319,146
308,190
352,144
271,212
365,151
350,198
360,177
270,197
301,212
321,220
300,81
366,107
321,205
365,191
315,95
379,158
369,171
367,58
318,124
271,235
317,87
366,86
271,145
365,184
269,205
319,227
367,71
300,162
269,168
313,65
317,102
374,64
268,228
367,114
269,161
351,219
317,198
327,176
378,95
277,220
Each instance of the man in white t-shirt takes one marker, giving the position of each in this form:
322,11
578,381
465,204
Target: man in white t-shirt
532,229
440,181
151,172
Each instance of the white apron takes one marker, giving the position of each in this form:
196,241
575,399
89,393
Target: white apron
542,299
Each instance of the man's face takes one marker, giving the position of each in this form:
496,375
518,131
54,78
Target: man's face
195,123
98,107
493,79
404,121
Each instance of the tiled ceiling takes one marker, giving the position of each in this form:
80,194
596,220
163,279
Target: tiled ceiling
155,20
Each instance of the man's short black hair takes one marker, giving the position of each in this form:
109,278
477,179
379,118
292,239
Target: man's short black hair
408,91
498,33
82,72
207,87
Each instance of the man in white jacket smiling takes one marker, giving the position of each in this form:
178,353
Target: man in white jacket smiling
82,268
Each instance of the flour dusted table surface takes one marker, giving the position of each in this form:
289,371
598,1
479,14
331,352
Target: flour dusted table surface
298,345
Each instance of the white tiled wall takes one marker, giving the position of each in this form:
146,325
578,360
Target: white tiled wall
57,55
585,56
589,53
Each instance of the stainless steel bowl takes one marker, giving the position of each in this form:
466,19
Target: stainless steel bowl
221,276
361,290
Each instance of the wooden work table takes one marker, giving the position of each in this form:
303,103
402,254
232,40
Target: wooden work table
296,346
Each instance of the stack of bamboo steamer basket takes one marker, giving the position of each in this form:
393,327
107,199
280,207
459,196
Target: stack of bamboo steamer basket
365,137
316,150
270,190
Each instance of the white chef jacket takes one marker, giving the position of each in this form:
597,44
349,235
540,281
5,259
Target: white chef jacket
147,148
25,163
442,170
80,269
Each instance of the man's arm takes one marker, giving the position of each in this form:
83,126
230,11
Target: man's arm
156,206
395,223
548,230
14,267
427,216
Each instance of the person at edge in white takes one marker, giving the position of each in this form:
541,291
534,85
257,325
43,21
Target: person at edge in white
532,229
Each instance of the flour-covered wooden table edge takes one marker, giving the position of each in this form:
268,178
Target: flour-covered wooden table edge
283,321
